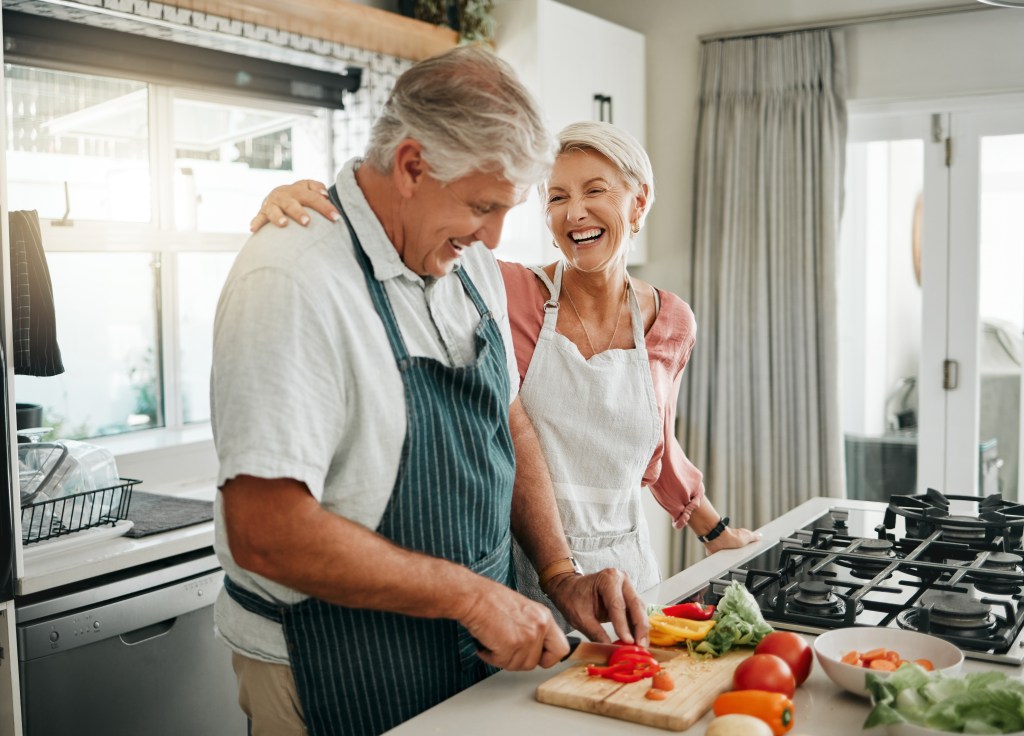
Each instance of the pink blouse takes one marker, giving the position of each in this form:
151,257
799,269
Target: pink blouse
677,484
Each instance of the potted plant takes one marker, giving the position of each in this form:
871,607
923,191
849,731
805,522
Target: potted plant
471,18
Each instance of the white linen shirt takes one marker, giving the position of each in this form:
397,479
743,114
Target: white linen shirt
304,384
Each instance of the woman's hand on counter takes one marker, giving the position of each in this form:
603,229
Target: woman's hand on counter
731,538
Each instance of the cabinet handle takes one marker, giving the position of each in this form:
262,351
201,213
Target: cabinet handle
604,103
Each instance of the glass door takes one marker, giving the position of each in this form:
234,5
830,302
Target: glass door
931,298
986,299
881,302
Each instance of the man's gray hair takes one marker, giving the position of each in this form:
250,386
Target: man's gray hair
471,114
619,147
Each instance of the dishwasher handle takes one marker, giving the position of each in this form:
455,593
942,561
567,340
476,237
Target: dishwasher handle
148,633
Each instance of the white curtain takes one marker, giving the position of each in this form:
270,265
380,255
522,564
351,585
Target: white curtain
760,413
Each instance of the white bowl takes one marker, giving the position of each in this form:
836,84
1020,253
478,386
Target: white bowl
832,645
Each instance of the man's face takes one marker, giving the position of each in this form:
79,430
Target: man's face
439,221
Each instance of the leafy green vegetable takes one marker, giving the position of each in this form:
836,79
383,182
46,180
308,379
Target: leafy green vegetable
981,702
738,622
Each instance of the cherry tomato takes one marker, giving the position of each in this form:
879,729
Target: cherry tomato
764,672
791,649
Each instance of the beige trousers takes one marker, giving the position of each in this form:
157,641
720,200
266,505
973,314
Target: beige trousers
267,695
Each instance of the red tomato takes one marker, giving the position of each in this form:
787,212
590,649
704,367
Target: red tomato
791,649
764,672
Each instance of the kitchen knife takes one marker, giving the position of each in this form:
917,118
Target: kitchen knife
592,651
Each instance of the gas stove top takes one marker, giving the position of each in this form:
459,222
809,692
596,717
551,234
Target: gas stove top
950,566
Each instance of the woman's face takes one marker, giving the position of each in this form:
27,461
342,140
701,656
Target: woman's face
590,209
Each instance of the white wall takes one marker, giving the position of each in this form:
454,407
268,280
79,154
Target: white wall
964,53
951,55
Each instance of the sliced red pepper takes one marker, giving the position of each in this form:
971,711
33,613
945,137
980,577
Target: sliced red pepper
595,670
641,671
690,610
621,656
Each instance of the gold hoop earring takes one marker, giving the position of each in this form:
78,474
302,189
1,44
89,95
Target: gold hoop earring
636,227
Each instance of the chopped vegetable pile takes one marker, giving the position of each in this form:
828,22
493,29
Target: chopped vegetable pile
981,702
669,630
738,622
629,663
883,660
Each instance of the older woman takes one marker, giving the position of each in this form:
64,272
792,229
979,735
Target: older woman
600,369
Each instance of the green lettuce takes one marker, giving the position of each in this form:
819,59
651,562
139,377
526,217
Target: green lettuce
738,622
981,702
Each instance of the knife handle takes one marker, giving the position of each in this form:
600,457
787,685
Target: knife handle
574,642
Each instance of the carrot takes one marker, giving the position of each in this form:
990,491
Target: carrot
882,660
656,694
663,681
852,658
873,654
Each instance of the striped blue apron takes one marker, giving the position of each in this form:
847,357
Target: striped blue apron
361,671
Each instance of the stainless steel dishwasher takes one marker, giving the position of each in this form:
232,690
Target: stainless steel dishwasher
128,654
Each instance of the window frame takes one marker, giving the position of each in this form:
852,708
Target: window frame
175,453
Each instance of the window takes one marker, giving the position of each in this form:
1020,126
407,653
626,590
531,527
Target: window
144,194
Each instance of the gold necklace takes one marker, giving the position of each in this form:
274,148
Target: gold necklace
586,333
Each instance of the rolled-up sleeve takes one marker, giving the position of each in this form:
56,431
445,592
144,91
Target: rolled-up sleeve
677,484
680,486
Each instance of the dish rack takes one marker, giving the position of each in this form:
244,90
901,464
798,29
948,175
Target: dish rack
60,516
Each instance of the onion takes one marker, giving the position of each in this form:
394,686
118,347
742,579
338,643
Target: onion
736,724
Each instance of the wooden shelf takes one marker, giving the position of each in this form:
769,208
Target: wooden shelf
341,21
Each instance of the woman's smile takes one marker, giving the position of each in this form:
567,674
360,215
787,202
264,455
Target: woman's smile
589,236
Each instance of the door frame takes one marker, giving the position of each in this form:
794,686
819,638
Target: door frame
948,420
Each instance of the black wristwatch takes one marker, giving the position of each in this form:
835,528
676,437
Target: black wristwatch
712,535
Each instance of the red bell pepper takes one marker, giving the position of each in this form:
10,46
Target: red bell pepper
629,664
632,657
639,671
595,670
690,610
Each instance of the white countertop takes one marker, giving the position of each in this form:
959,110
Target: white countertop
503,705
94,552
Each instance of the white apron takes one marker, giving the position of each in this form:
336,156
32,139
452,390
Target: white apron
598,425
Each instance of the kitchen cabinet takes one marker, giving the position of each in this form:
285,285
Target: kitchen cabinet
579,67
507,705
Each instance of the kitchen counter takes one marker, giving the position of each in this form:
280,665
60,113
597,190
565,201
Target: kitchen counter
95,552
504,705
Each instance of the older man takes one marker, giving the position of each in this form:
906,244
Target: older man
372,448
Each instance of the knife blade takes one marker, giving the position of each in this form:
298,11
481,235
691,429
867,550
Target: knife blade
598,653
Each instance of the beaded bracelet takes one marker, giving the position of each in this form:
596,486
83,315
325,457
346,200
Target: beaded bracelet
712,535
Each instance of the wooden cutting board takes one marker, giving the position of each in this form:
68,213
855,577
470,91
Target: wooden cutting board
698,683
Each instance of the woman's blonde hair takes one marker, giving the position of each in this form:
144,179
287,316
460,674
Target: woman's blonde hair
619,147
471,114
